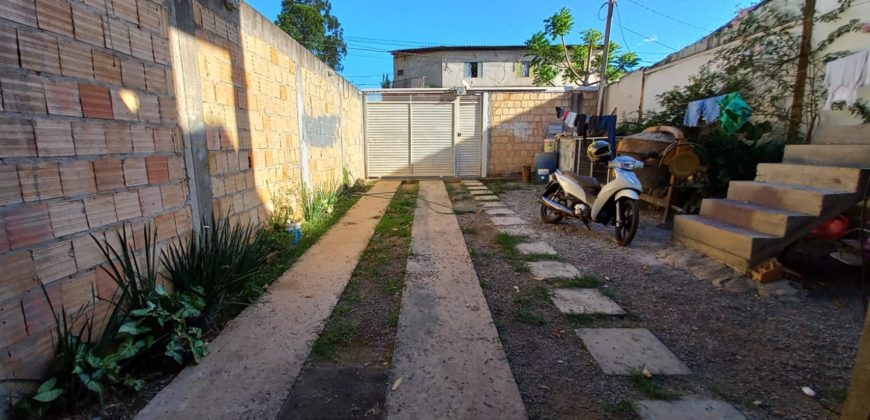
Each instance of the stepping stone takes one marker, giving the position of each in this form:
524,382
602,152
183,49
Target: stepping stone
535,248
468,183
584,301
486,197
492,204
475,187
507,220
687,410
553,270
517,230
480,192
499,211
618,351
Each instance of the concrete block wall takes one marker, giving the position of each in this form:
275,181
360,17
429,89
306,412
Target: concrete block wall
519,122
89,141
125,112
276,118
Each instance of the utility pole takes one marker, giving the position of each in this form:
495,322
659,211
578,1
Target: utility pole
602,83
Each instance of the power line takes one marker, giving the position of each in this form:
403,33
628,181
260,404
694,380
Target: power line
619,19
647,38
394,41
669,16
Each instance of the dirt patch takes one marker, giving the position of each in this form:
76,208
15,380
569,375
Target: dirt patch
347,373
752,352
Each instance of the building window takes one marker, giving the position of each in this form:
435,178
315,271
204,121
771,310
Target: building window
527,69
400,72
472,70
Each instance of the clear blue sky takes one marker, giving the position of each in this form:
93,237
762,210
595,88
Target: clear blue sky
652,28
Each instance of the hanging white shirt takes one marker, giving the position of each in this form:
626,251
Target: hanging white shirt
844,76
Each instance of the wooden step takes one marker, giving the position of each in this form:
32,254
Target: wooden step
846,155
842,134
789,197
827,177
753,216
735,240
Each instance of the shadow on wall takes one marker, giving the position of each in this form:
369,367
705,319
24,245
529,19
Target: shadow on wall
110,146
274,115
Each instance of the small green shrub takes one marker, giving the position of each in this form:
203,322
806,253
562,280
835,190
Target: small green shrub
283,202
318,203
218,263
135,279
173,312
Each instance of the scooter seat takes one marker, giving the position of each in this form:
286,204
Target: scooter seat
590,185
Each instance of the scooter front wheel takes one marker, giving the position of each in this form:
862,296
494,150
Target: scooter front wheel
629,214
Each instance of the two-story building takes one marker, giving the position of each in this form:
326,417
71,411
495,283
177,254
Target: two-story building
478,66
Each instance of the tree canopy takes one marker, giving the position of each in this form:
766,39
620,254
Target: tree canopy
577,63
311,23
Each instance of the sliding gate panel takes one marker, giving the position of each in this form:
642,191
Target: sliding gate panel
432,139
423,135
468,158
387,131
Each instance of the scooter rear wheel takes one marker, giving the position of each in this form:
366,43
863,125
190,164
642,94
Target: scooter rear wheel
550,215
630,216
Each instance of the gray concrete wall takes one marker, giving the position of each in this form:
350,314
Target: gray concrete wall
447,68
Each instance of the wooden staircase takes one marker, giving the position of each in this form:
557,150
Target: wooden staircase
758,219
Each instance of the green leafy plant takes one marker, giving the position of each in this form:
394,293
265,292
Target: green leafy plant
312,24
577,63
217,264
318,203
82,368
135,279
174,312
283,202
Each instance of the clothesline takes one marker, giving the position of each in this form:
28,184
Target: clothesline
597,124
844,76
731,109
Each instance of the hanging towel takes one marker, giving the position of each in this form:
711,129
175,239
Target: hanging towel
711,109
844,76
581,124
693,113
735,112
706,108
607,123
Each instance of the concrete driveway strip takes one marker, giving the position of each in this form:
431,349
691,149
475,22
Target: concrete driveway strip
448,362
255,360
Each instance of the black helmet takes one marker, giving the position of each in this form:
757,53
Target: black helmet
599,151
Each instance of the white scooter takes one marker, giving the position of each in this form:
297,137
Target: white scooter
584,198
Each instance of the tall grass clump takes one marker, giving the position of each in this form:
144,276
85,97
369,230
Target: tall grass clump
219,262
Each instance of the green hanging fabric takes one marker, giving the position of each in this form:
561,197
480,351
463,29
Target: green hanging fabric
735,112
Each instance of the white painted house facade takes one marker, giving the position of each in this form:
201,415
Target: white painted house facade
478,66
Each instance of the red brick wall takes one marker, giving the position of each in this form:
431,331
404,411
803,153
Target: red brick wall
88,142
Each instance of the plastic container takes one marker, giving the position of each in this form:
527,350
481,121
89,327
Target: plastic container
545,164
295,231
549,145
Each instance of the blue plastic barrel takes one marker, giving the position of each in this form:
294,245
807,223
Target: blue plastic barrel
545,164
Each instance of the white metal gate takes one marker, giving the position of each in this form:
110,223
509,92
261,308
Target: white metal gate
423,135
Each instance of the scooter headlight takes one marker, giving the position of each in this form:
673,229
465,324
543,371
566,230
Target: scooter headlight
626,164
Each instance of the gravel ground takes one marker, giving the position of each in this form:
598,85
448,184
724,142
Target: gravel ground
755,353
